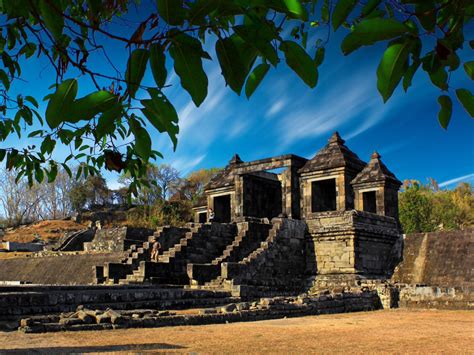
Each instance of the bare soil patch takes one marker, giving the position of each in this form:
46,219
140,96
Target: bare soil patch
394,331
46,230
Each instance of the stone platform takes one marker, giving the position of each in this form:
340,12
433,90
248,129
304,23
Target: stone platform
19,301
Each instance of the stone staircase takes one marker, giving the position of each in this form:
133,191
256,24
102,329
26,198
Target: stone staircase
111,273
275,267
249,238
197,243
201,244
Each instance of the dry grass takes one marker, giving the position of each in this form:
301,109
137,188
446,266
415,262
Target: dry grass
398,331
46,230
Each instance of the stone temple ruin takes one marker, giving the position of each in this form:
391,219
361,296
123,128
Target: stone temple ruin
319,220
289,237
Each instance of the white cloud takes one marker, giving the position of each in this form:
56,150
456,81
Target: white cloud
468,177
276,107
185,164
330,110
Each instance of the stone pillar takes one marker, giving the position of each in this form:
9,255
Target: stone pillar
237,198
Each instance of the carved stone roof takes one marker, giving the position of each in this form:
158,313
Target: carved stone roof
375,171
225,177
334,155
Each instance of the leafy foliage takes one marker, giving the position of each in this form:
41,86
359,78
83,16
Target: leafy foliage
426,208
110,127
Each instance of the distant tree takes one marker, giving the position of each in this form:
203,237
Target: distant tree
88,192
150,191
110,126
20,202
56,201
167,179
415,209
192,187
426,208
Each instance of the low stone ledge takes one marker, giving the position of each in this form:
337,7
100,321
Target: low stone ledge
432,297
274,308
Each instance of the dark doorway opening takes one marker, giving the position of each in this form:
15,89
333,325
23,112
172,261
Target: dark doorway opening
202,217
262,195
369,200
222,209
323,195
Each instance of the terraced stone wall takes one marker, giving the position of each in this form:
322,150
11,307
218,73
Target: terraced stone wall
438,259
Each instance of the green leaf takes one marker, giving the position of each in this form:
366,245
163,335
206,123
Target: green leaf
444,115
39,174
60,102
136,67
52,173
260,36
301,63
325,11
161,114
236,58
3,152
392,67
4,79
371,31
28,49
467,100
157,64
296,9
52,18
172,11
255,78
32,100
341,12
186,53
369,7
469,68
408,77
106,122
142,140
47,146
439,77
87,107
426,15
319,56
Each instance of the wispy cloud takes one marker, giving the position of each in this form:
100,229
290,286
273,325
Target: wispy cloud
333,107
276,107
467,177
186,164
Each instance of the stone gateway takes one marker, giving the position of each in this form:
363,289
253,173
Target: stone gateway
278,224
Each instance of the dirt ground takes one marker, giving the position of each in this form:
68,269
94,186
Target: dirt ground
394,331
46,230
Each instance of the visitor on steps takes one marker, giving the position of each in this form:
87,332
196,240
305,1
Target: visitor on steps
155,250
211,215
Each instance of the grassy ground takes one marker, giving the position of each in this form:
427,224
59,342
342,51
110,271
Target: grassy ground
395,331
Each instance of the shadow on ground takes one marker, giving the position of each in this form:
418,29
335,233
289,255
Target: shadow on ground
94,349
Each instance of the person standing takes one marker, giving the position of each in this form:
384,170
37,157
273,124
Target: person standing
211,215
155,250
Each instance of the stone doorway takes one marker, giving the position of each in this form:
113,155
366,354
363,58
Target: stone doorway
222,209
323,195
369,201
202,217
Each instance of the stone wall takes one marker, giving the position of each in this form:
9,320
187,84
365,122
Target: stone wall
428,297
355,242
21,300
117,239
438,259
63,269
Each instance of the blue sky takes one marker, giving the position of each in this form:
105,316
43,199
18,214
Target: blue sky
285,116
